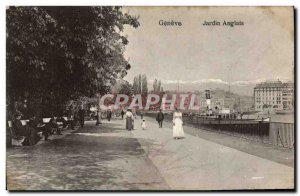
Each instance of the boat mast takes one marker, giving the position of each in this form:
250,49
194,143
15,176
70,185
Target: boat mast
229,71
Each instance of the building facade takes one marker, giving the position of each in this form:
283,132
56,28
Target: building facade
245,103
273,95
222,99
288,96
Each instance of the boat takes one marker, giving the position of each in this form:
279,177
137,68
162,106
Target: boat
264,119
282,112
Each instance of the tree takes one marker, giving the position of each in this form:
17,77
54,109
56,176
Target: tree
144,84
265,106
55,54
157,86
136,89
123,87
139,83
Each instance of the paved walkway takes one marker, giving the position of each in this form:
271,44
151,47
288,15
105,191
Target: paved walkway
267,151
104,157
108,157
195,163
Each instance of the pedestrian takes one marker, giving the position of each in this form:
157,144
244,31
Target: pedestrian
61,119
53,126
81,114
17,126
160,118
71,122
122,114
142,115
109,114
177,125
129,120
143,124
98,117
70,117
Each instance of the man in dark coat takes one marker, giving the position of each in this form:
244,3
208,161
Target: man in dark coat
159,118
81,113
122,113
109,114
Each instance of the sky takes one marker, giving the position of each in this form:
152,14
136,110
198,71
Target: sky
261,49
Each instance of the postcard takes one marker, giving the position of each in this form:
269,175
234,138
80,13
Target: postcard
120,98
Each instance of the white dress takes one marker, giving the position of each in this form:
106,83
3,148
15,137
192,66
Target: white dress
177,125
143,125
129,120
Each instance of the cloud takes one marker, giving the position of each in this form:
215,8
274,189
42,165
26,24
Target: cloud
218,81
203,81
248,82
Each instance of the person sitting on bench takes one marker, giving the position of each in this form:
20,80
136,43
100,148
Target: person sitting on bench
54,126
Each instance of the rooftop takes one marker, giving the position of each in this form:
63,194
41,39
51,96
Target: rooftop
274,84
288,85
269,84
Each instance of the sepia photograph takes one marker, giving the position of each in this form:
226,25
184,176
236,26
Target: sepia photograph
150,98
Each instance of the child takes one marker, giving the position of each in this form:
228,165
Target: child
144,124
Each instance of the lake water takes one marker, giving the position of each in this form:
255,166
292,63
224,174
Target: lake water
285,118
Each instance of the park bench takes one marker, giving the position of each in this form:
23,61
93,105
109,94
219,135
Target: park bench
17,137
11,138
42,129
53,130
14,139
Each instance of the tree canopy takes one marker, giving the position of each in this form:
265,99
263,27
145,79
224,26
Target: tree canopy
123,87
55,54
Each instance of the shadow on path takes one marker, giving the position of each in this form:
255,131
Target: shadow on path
76,162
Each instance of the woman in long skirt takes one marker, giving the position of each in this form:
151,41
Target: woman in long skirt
177,125
129,120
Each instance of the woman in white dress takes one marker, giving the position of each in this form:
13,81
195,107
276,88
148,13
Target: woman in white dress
129,120
177,125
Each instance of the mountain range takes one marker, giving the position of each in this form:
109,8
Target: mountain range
244,88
